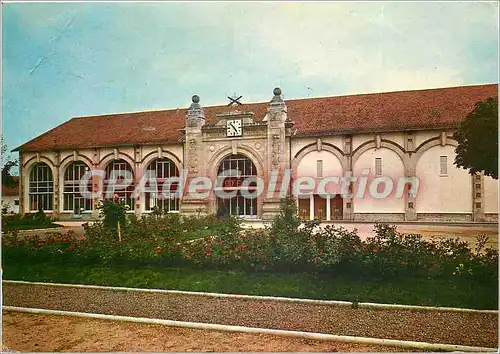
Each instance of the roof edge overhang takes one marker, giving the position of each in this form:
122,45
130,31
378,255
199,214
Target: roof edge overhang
74,147
372,131
298,135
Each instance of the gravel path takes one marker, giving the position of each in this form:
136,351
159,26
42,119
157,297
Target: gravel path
40,333
474,329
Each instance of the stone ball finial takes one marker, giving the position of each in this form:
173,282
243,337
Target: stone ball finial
277,91
195,99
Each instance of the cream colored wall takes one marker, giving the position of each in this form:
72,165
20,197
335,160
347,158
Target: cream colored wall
451,194
333,140
490,195
308,167
420,136
442,194
392,167
299,143
360,139
176,150
396,137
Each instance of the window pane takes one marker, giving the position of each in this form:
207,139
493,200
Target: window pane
443,165
378,166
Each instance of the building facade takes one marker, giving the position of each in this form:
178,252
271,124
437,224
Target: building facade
10,197
395,135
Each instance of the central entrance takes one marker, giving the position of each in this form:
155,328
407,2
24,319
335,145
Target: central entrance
319,208
232,173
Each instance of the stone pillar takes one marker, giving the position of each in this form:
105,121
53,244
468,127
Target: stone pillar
410,200
57,192
22,187
195,120
478,196
138,173
278,158
95,183
328,208
348,203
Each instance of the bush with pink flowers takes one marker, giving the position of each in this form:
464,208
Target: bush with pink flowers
287,244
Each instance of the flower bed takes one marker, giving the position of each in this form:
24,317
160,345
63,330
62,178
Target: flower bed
286,244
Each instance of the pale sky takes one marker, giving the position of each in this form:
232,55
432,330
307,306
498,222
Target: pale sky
62,60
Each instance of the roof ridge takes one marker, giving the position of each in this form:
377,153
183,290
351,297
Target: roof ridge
392,92
287,100
425,108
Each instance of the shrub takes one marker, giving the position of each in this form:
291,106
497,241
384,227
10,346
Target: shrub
290,239
26,221
337,247
114,212
287,244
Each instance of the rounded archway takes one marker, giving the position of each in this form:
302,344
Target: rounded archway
73,200
41,188
235,187
119,181
325,201
165,173
384,165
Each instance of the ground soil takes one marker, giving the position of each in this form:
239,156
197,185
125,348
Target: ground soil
43,333
462,328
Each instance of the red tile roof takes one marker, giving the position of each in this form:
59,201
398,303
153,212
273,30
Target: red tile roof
11,191
391,111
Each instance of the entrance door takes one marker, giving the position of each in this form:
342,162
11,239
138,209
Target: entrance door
232,172
319,208
336,208
304,208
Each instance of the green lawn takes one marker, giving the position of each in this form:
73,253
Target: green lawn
412,291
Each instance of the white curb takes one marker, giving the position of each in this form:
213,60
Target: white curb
228,328
261,298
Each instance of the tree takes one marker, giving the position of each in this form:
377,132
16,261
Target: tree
8,162
477,138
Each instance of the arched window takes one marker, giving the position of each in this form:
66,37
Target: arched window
165,198
239,204
41,188
73,200
119,180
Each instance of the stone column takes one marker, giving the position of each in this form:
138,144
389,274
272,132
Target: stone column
278,159
348,203
328,208
311,207
57,192
22,186
478,197
95,183
410,169
138,173
410,200
195,120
